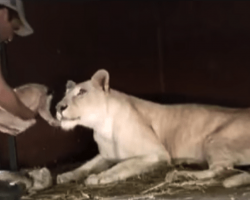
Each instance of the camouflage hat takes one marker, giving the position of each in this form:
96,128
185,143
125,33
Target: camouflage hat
17,5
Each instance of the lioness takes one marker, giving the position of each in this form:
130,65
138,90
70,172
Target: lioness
134,135
37,98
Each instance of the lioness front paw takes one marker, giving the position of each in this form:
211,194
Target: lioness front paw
65,178
93,179
99,179
179,176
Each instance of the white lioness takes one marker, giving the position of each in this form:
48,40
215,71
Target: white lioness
134,135
36,98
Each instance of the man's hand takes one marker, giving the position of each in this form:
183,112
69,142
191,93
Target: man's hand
18,127
11,103
20,117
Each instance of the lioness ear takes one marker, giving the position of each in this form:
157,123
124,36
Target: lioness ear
101,80
70,84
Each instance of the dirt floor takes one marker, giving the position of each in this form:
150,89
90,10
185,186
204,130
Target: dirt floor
147,186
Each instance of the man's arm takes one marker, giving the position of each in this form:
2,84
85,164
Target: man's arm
10,102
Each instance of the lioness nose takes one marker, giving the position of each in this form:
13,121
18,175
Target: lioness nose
61,107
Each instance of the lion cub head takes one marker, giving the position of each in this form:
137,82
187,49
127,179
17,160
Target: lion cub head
84,103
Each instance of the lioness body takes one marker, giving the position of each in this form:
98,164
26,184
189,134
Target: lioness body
134,135
182,129
37,99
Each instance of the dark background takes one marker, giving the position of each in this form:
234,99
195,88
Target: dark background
165,51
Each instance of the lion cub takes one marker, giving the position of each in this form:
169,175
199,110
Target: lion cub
37,98
134,135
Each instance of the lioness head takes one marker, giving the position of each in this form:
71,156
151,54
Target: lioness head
84,103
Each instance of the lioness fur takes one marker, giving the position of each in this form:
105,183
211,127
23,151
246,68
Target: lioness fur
135,135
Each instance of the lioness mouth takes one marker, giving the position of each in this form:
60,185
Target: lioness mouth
70,119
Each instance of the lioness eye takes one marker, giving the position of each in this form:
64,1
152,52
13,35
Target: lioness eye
81,91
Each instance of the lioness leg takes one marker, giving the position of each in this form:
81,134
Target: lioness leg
233,181
190,175
96,165
126,169
44,111
237,180
220,156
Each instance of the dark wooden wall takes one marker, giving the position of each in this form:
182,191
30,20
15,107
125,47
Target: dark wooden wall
199,50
